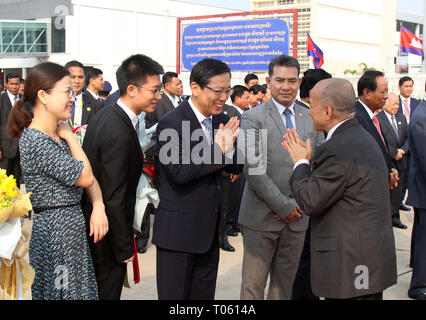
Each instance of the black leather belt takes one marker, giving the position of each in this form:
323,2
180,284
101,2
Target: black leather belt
41,209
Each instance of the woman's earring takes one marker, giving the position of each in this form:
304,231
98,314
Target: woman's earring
44,107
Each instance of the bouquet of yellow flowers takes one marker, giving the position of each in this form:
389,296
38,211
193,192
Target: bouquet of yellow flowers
16,275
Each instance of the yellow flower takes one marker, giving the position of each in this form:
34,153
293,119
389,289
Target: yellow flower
8,186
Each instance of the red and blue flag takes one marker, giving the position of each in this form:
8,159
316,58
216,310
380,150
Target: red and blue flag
410,43
315,52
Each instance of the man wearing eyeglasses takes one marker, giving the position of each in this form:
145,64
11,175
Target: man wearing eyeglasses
9,155
113,149
187,219
272,224
169,99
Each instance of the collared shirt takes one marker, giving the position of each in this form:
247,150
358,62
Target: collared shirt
174,100
392,122
408,106
12,97
329,135
78,110
133,117
370,113
199,115
281,110
93,94
239,110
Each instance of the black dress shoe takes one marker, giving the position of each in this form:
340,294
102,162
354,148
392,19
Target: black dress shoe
141,250
232,233
418,296
403,207
399,225
228,247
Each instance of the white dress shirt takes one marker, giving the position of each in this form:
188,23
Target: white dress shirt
78,110
281,110
329,135
133,117
12,97
174,100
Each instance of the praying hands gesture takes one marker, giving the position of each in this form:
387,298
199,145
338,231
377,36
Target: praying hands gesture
227,134
296,148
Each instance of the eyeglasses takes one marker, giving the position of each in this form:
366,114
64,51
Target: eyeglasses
220,92
153,92
71,93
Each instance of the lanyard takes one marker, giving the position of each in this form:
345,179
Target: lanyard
72,123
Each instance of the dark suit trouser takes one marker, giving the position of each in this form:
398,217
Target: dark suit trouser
224,211
142,237
395,195
12,166
110,276
418,252
186,276
302,289
235,195
406,174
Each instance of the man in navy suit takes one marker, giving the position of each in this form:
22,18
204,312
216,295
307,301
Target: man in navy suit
195,142
407,105
416,198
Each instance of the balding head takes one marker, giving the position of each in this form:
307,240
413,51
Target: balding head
333,100
392,104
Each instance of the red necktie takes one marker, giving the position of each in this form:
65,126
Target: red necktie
406,109
377,124
136,274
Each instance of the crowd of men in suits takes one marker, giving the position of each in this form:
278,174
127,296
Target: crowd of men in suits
319,216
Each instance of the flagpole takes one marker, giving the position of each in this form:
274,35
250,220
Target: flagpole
424,39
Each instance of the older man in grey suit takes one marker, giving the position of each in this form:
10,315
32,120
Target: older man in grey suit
273,226
346,194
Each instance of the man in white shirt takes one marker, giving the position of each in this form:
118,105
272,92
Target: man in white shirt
94,83
9,154
407,105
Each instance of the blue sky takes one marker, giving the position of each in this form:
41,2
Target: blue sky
414,6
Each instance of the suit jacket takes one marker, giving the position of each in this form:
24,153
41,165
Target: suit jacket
112,147
190,193
393,141
368,124
8,145
413,106
162,108
417,141
267,190
347,197
90,106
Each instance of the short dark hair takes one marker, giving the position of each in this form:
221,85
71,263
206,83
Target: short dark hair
73,63
12,75
238,91
92,73
368,81
250,76
257,88
310,78
405,79
206,69
168,77
134,71
283,61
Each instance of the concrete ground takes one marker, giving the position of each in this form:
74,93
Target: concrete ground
229,275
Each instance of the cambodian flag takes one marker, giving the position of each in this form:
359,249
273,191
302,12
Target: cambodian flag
410,43
315,52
